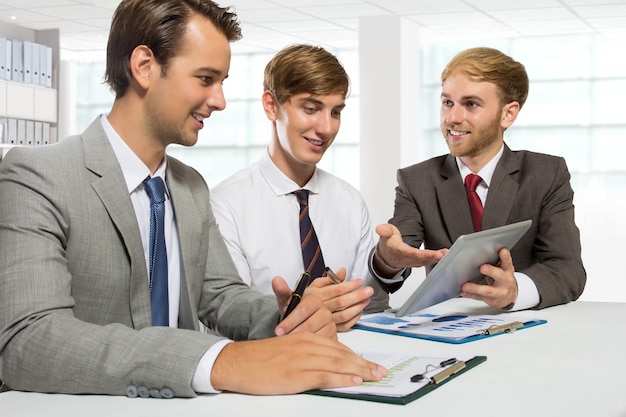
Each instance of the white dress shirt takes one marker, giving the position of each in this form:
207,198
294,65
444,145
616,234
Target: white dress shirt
527,293
258,217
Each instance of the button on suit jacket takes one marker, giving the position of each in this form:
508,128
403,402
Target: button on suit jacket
74,297
431,207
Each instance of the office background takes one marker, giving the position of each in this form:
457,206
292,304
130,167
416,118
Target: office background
394,51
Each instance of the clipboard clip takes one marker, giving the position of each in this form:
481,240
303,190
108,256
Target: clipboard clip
452,366
505,328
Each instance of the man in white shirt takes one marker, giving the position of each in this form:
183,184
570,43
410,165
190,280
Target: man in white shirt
305,88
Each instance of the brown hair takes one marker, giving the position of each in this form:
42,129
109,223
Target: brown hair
305,69
160,25
491,65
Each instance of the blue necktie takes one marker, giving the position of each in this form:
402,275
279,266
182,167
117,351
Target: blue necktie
311,251
158,255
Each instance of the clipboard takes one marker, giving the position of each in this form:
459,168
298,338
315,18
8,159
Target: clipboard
461,264
454,328
428,382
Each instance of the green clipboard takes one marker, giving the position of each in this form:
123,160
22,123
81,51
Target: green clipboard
403,400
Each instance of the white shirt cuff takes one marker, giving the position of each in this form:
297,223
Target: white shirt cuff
527,294
201,382
395,279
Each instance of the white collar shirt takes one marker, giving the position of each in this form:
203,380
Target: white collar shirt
258,213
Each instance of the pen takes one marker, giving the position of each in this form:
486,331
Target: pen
296,295
329,273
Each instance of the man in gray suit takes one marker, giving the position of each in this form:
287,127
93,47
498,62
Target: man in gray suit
483,91
75,306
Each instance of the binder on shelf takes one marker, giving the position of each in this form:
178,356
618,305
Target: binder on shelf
8,59
4,127
3,58
17,60
54,133
35,63
43,55
45,133
21,132
30,132
453,328
48,67
38,133
409,377
28,62
12,131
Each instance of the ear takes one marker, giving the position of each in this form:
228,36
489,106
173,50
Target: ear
142,63
509,114
270,105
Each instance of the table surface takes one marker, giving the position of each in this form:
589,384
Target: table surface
571,366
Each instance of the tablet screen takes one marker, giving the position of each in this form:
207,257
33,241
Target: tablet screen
461,264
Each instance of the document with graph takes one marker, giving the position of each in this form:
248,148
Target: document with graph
409,376
441,326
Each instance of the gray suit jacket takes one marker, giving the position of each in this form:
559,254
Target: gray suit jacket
74,297
431,208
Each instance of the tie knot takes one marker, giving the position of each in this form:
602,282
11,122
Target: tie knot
303,196
472,181
155,187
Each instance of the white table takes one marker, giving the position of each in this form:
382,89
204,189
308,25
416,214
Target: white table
574,365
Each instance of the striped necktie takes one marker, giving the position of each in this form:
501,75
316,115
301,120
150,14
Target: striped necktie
311,251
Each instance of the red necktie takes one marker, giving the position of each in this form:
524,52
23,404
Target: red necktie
476,206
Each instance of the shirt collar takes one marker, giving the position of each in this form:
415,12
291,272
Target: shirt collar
486,173
133,168
279,182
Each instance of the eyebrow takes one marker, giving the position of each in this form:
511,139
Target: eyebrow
465,98
213,71
320,103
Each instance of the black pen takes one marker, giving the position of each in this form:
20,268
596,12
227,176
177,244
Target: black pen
329,273
297,294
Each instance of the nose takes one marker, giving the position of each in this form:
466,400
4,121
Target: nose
327,125
216,100
453,114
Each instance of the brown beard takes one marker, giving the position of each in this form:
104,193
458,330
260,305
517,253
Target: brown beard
481,139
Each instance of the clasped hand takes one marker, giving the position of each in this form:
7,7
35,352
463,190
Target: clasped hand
345,302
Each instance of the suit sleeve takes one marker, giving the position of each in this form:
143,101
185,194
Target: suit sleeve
557,267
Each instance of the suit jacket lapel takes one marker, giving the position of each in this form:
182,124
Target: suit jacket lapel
502,191
452,200
110,186
188,234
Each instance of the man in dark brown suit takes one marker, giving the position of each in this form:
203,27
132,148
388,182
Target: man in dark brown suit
483,91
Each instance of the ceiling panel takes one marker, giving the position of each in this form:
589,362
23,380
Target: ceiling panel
268,25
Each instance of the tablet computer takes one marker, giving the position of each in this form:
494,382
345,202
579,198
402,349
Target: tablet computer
461,264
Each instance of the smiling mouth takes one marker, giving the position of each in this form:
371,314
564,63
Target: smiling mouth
457,132
199,117
315,142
